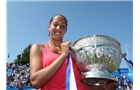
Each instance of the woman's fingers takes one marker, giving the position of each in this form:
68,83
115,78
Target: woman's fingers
111,86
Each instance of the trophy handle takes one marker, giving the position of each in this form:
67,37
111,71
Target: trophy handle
123,55
72,49
129,62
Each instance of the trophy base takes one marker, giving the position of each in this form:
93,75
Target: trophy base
98,78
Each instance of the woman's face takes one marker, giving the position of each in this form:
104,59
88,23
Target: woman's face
57,28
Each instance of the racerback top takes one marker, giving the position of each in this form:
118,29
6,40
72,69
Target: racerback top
58,81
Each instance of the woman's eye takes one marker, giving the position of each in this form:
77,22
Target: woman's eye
55,24
63,26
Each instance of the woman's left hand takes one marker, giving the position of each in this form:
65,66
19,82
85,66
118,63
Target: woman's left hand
108,86
111,86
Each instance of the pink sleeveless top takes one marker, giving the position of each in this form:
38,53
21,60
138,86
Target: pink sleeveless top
58,82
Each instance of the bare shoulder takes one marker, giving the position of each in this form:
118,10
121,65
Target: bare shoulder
37,48
36,45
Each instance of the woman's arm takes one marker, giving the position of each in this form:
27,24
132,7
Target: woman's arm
40,76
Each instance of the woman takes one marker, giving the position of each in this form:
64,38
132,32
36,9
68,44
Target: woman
48,62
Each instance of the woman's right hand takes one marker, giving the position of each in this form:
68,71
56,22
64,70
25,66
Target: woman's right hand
65,48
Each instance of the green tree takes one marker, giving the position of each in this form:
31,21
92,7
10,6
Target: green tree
17,61
23,58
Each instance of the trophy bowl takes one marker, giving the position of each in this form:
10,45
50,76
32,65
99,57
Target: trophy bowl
97,56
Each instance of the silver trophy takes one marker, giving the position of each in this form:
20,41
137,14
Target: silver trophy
97,56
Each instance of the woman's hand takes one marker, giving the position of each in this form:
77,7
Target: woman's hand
108,86
65,47
111,86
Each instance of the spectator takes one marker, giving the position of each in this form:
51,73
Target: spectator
19,76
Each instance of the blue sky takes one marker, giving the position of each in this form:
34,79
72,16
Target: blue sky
27,22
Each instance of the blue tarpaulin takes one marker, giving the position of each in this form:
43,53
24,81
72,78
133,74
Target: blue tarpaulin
9,70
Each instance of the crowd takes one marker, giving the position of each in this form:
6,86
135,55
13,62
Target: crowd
18,75
125,82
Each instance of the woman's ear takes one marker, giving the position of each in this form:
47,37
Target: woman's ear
48,27
49,30
66,29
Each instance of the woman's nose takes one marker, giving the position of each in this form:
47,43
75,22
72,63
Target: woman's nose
58,27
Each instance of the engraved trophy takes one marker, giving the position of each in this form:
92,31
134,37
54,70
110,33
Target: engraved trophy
97,56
